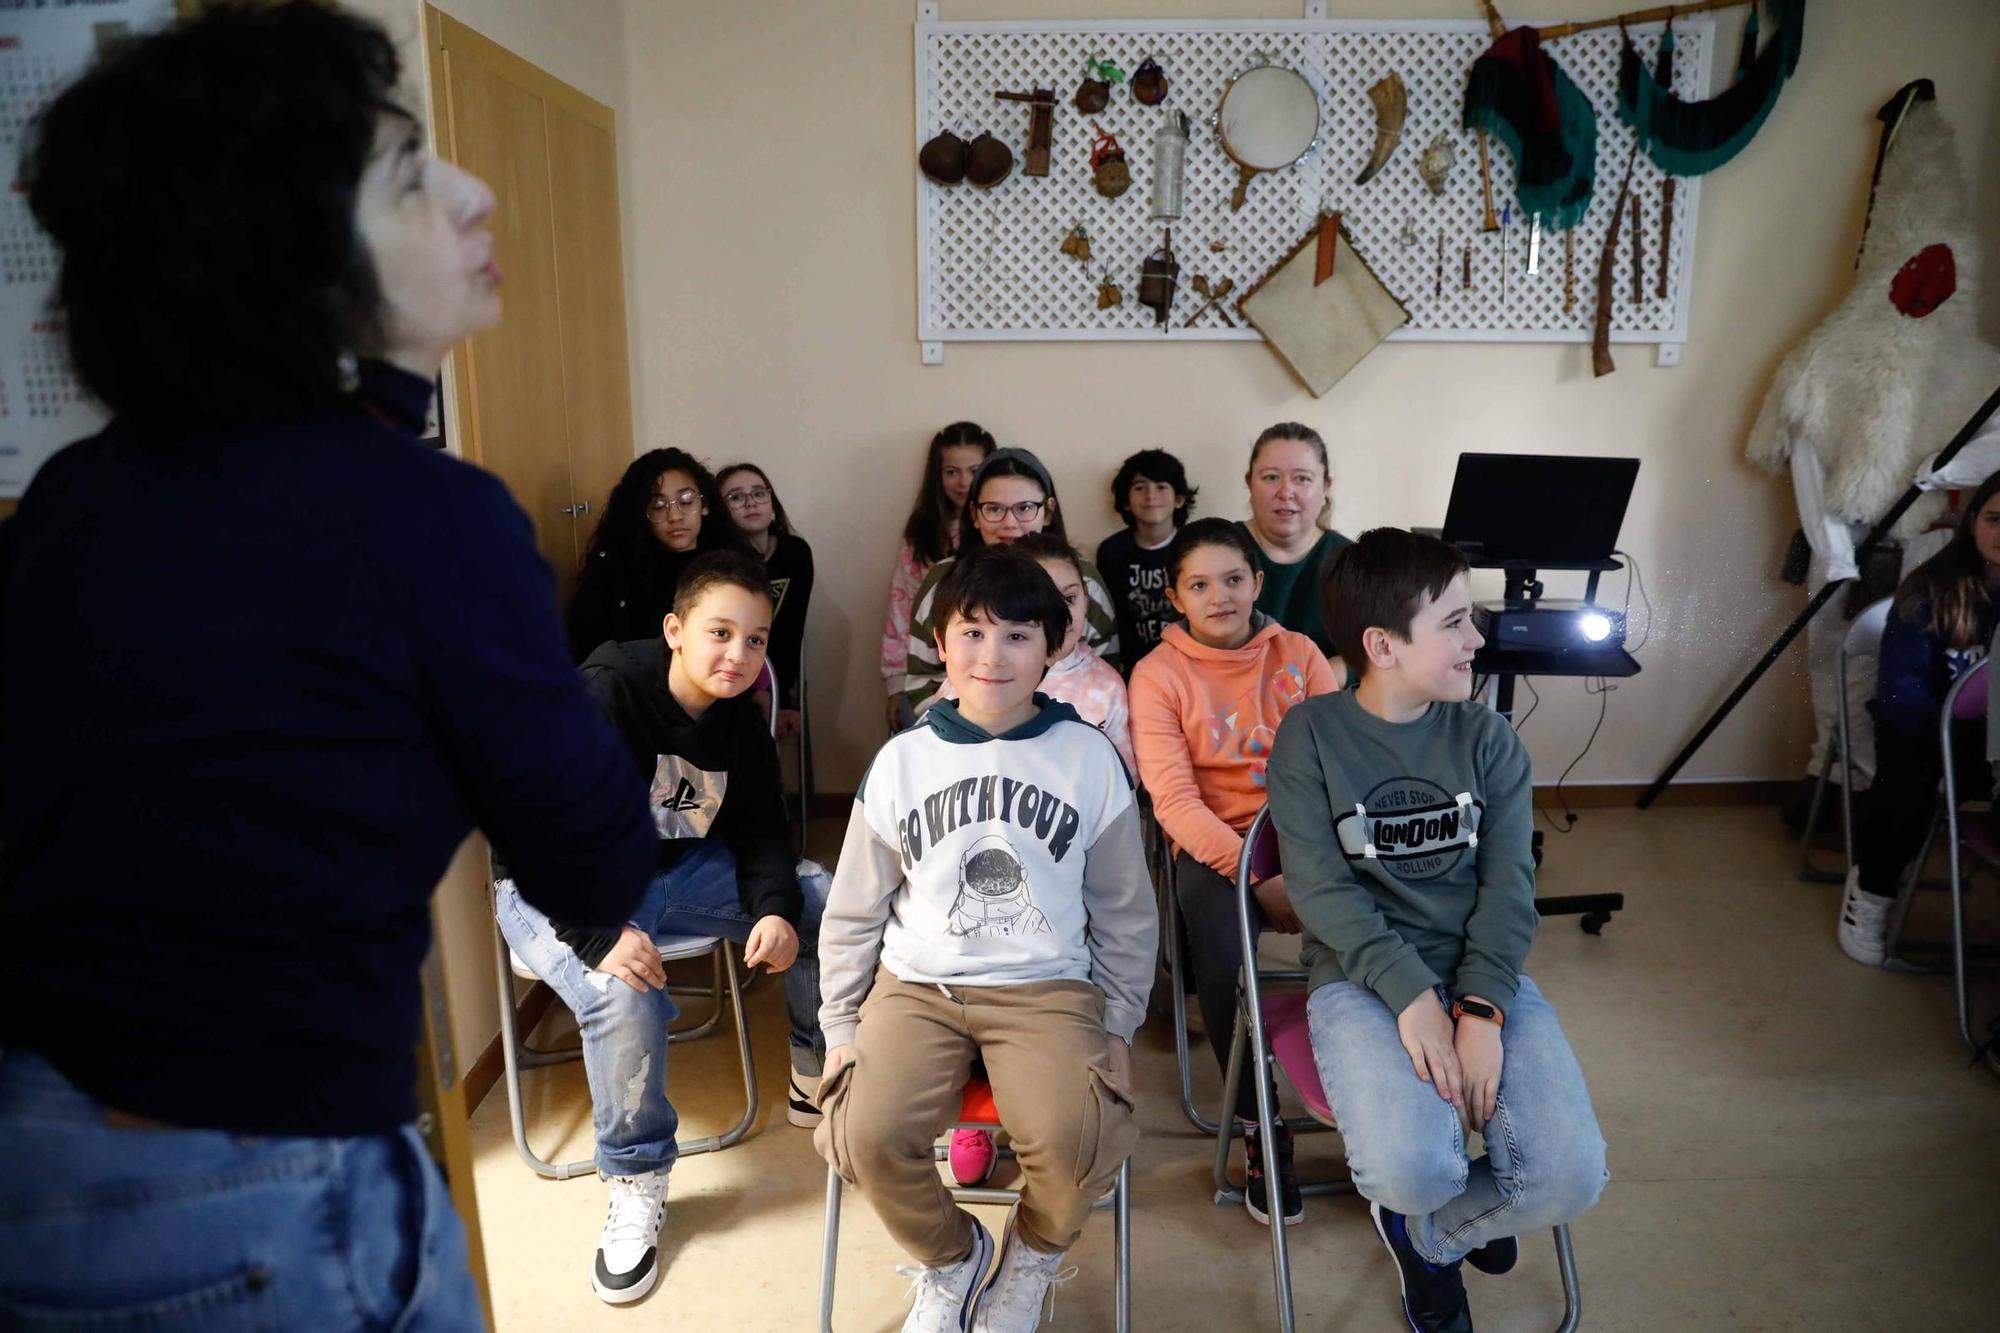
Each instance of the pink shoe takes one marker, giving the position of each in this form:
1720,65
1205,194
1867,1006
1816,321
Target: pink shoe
970,1160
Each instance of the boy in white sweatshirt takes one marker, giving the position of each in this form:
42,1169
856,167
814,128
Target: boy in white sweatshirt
991,904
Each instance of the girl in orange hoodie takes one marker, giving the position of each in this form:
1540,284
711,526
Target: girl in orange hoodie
1205,706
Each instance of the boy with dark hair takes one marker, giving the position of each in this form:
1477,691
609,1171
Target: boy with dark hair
681,704
1404,814
1151,493
991,904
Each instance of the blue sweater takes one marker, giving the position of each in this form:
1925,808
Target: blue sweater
1917,668
256,688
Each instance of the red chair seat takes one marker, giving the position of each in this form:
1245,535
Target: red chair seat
1285,1027
977,1104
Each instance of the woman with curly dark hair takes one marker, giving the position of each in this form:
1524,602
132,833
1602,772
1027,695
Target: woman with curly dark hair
265,662
663,512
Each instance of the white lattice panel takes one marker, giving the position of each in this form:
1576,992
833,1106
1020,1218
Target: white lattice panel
988,262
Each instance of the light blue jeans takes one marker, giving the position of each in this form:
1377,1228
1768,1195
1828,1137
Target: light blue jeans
1544,1158
185,1230
625,1030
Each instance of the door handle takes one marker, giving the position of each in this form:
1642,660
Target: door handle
578,509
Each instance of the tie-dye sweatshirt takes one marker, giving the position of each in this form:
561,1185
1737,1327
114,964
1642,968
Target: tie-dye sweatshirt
1202,722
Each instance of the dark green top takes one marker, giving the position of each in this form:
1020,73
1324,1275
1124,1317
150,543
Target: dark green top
1291,592
1407,847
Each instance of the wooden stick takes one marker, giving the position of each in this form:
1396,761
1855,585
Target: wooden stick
1492,223
1662,14
1569,270
1666,234
1498,28
1638,257
1601,363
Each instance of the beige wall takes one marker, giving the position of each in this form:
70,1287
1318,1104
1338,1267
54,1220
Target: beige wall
772,165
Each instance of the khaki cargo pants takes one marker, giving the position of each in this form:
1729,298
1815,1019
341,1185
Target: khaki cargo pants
1047,1058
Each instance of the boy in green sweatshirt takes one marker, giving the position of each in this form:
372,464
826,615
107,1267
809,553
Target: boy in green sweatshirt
1405,818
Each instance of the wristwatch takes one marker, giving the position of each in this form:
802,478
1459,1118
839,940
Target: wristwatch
1475,1009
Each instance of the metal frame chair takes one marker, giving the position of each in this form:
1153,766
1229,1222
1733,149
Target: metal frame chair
518,1054
1864,639
1173,947
977,1110
1260,857
1965,701
767,681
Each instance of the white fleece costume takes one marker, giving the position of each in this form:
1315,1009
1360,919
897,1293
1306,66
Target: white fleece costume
1860,408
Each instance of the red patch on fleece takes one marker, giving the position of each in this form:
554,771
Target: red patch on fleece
1925,282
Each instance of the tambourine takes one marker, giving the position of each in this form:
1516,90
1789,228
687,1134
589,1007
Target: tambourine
1268,120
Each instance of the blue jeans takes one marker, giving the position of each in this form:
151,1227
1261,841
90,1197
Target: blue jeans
1544,1159
625,1030
177,1230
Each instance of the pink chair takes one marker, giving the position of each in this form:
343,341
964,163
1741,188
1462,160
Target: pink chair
1278,1024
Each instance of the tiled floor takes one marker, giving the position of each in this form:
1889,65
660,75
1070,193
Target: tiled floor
1796,1143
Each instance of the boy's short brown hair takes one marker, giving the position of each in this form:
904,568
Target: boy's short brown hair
719,569
1007,584
1380,582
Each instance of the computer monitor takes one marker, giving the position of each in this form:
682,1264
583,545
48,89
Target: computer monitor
1538,509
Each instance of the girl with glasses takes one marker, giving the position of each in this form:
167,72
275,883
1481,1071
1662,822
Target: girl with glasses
1011,498
662,513
760,522
930,534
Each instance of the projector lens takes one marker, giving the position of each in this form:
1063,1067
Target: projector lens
1595,626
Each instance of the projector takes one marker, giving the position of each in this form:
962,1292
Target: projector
1550,625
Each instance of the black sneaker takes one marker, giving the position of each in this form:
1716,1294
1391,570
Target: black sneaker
1433,1297
1256,1193
1496,1256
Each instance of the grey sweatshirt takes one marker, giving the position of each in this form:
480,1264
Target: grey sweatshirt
980,860
1406,847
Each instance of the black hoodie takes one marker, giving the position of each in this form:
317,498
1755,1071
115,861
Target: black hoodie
712,776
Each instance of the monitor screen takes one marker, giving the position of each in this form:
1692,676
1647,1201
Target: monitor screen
1538,509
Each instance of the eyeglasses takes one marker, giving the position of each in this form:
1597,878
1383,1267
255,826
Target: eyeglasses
1024,511
755,495
660,505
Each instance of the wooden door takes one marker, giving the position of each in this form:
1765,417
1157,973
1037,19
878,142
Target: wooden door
583,175
544,398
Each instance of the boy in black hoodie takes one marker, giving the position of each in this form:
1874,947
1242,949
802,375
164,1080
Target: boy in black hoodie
683,708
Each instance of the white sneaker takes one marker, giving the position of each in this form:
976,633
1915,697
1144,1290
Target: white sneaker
1024,1283
628,1247
945,1296
1864,922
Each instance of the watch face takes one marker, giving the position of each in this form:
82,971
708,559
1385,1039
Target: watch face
1476,1009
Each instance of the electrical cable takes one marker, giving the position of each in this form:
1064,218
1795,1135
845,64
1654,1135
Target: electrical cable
1523,721
1602,690
1632,571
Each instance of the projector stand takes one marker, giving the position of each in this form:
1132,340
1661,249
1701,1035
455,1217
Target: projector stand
1522,585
